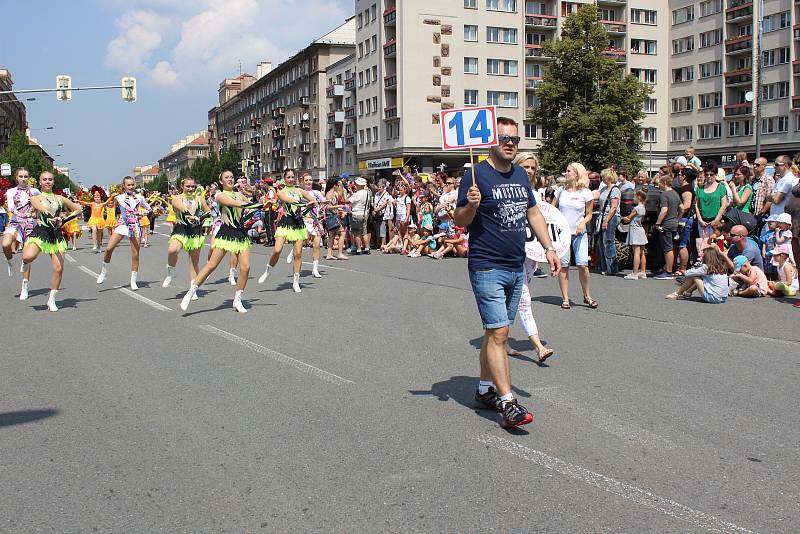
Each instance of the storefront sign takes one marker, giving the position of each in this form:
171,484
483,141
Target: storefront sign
378,164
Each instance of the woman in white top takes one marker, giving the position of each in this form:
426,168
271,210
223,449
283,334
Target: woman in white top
575,202
402,209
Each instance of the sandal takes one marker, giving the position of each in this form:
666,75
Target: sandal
330,257
545,353
342,257
590,302
565,305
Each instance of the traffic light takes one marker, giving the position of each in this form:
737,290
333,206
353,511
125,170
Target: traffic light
128,89
64,86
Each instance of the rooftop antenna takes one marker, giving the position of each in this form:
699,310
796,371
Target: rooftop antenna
240,66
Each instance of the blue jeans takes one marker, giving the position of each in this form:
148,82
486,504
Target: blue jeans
607,247
497,294
3,221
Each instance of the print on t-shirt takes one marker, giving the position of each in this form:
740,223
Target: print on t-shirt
512,206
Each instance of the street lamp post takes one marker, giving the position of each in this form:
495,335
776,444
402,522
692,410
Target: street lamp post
650,165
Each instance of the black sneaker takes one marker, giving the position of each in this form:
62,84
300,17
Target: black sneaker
488,400
514,415
365,252
538,273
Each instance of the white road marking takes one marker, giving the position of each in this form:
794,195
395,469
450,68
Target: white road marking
70,258
329,266
604,420
153,304
610,485
278,357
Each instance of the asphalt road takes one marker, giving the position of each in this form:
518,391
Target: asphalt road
348,407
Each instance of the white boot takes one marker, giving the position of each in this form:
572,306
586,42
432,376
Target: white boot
290,257
315,269
263,277
23,292
232,277
25,268
188,296
168,280
12,268
51,301
237,302
296,282
103,273
133,280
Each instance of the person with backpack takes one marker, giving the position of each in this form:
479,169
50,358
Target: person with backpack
607,222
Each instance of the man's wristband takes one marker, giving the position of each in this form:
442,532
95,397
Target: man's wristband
550,248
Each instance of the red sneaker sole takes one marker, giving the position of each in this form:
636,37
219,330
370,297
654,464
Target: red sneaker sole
528,419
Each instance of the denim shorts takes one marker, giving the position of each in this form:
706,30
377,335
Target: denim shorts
683,242
580,248
497,294
712,299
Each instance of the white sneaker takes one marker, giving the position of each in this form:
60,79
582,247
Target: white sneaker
263,277
188,296
23,292
631,276
290,257
296,282
133,280
103,273
232,277
237,302
51,301
642,276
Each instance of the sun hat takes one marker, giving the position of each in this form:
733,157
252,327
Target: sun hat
781,249
739,262
681,160
784,218
361,181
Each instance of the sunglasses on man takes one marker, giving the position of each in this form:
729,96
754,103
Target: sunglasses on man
504,138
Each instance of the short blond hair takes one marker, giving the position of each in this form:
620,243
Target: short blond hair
583,175
609,175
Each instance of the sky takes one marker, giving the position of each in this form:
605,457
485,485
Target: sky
178,50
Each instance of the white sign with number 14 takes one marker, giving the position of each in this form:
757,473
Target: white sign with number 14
468,128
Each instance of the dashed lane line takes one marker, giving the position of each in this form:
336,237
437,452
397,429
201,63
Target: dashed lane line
153,304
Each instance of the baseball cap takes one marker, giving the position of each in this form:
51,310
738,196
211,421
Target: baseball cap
784,218
361,181
780,249
771,218
738,262
269,180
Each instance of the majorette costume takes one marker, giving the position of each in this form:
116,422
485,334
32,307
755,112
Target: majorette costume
188,234
45,235
231,236
290,222
96,216
128,224
18,201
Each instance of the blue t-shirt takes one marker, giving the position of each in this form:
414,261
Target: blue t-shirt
497,233
750,251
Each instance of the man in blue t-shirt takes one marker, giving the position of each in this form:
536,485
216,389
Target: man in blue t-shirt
497,211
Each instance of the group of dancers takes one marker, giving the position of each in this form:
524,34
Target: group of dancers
37,216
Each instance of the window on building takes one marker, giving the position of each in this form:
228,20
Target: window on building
740,128
361,108
775,91
710,7
360,21
797,122
368,106
770,125
501,67
711,38
710,100
650,105
683,74
360,79
709,131
649,135
375,103
470,32
682,15
471,4
374,134
470,65
530,130
374,12
470,97
648,76
374,39
777,21
682,104
536,8
682,133
684,44
643,46
496,34
502,99
644,16
710,69
509,6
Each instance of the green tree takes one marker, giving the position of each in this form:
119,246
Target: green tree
230,159
591,111
19,153
160,184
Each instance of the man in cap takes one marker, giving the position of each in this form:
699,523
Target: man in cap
360,202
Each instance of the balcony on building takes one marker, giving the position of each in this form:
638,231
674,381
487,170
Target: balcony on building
255,122
305,101
349,140
350,113
739,45
335,117
278,112
336,143
532,82
278,131
614,27
617,3
255,140
739,77
305,125
735,110
390,16
335,90
616,54
738,10
350,83
305,148
390,81
541,22
390,113
535,51
390,48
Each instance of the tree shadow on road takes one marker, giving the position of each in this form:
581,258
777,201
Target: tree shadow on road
461,389
20,417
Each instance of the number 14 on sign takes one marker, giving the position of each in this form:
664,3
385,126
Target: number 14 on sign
468,128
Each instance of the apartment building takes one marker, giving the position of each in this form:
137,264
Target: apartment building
183,153
341,118
716,94
278,119
12,111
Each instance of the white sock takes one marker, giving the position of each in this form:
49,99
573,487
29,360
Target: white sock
296,282
133,280
484,385
508,397
25,267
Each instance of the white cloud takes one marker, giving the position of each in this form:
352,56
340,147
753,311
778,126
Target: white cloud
205,41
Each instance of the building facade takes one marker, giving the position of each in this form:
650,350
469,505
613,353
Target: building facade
12,111
280,119
182,155
145,174
342,157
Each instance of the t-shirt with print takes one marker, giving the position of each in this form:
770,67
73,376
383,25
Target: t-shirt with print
572,204
497,233
670,200
784,185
